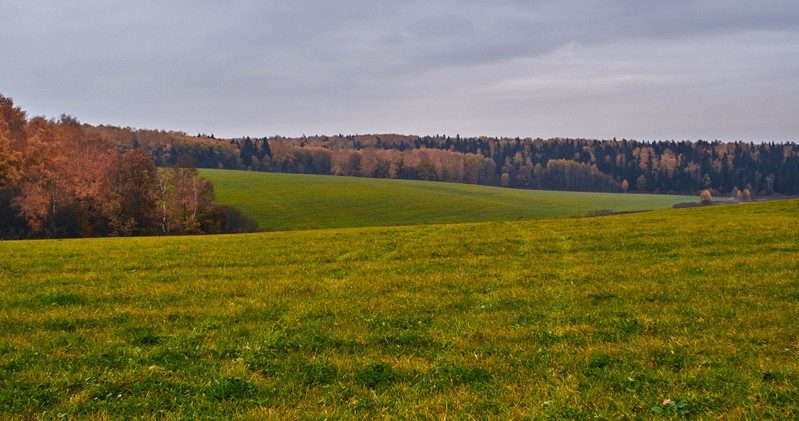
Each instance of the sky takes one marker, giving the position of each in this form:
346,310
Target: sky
636,69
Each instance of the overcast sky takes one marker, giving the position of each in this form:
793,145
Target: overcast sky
677,69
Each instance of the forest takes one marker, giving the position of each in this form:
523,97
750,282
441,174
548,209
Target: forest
553,164
679,167
58,178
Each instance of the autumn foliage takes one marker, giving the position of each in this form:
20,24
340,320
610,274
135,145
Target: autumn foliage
59,180
667,166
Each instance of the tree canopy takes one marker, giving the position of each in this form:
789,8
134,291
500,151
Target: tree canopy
59,178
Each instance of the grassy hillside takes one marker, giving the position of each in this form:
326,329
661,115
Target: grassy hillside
296,201
572,318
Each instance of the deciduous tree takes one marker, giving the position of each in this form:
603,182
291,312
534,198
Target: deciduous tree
134,209
9,156
44,185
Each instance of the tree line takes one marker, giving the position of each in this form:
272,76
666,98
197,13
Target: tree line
555,164
684,167
59,178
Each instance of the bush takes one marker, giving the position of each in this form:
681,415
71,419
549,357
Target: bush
705,198
224,219
233,221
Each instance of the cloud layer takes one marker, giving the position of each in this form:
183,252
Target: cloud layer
648,70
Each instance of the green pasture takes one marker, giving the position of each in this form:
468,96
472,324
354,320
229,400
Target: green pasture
681,313
297,201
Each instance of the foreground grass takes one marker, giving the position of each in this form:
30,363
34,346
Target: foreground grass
297,201
577,318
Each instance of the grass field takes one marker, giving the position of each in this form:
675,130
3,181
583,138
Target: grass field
561,319
296,201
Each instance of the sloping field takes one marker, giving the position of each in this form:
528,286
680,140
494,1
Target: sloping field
565,319
297,201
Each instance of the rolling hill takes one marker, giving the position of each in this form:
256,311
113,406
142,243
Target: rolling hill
298,201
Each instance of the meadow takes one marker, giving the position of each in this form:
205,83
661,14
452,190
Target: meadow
299,201
675,313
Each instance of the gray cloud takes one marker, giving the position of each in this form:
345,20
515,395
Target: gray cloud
678,69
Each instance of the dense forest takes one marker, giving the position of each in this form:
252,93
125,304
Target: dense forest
59,178
554,164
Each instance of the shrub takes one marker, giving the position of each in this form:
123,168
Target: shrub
705,198
224,219
237,222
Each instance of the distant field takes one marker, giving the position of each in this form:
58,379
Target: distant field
558,319
295,201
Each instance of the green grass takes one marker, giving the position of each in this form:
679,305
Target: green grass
561,319
295,201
